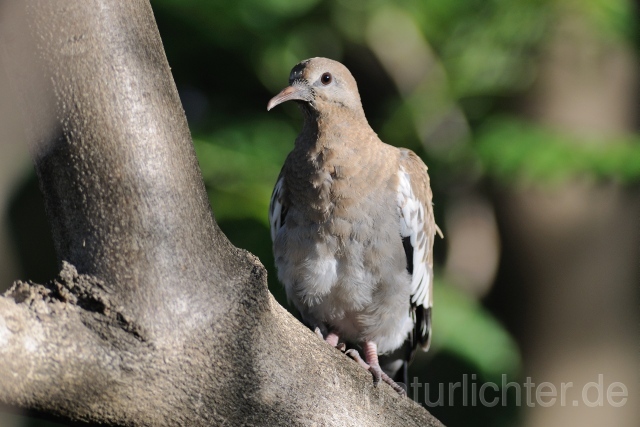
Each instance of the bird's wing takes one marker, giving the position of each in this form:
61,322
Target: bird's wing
277,208
418,229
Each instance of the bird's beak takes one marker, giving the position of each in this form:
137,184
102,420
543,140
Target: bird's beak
298,92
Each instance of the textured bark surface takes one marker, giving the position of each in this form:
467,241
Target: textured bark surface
155,318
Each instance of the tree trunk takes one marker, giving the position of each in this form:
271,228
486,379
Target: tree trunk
155,319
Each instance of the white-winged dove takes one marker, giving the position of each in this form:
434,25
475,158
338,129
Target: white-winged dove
352,223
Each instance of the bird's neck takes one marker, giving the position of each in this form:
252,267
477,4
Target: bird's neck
332,153
336,130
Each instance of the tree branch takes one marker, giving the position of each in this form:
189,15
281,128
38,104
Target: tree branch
155,319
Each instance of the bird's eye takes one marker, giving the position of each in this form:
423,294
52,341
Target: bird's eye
326,78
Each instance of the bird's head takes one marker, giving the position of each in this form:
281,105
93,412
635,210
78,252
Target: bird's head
320,84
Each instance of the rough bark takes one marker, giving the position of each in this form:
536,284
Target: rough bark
155,319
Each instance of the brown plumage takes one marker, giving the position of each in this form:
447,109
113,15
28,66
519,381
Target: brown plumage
352,222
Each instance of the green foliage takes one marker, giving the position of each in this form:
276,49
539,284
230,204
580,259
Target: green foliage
240,165
464,327
487,46
613,18
515,151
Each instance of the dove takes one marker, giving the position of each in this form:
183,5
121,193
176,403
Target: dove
352,225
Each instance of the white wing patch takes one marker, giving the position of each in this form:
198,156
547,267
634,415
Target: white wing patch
275,209
412,225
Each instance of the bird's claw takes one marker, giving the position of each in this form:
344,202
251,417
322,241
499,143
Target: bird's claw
394,385
331,339
377,374
353,353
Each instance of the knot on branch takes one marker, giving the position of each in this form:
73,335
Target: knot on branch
70,289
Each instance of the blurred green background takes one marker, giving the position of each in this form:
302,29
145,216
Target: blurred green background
526,114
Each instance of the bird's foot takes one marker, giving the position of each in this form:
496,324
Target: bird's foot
394,385
353,353
332,339
374,369
377,372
